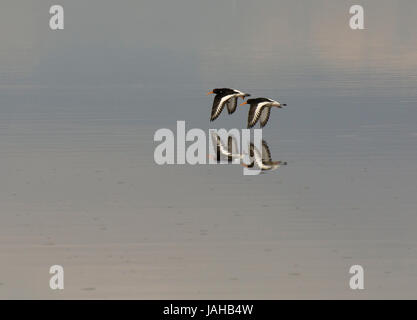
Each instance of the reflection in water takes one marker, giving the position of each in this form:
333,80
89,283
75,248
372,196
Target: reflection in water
79,109
262,159
232,150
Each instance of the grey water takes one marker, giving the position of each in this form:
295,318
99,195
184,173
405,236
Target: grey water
79,186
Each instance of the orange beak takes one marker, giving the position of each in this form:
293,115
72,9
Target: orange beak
209,92
243,103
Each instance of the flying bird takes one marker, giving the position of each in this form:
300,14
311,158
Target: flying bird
263,160
225,96
260,109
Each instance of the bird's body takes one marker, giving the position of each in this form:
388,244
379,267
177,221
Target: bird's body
225,96
228,152
260,109
263,160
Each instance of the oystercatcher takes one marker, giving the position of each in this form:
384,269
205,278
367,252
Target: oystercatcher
226,151
225,96
260,108
263,160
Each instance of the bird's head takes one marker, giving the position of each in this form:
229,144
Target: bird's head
246,102
215,91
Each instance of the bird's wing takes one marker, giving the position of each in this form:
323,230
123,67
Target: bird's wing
218,105
230,148
266,153
254,114
253,152
219,144
231,105
265,116
251,115
251,156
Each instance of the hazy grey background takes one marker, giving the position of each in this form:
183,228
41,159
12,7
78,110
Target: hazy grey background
79,187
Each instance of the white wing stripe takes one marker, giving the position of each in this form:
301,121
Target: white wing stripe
219,106
258,159
265,114
225,98
258,109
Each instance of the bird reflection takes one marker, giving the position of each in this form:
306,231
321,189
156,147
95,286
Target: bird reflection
221,149
261,160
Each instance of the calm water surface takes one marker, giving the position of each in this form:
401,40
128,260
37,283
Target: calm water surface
79,109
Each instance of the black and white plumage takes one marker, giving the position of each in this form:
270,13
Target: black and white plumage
225,96
226,151
260,109
263,160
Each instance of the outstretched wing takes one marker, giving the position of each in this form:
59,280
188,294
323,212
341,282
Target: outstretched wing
231,105
251,156
217,108
254,152
254,114
265,116
266,153
218,105
218,143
